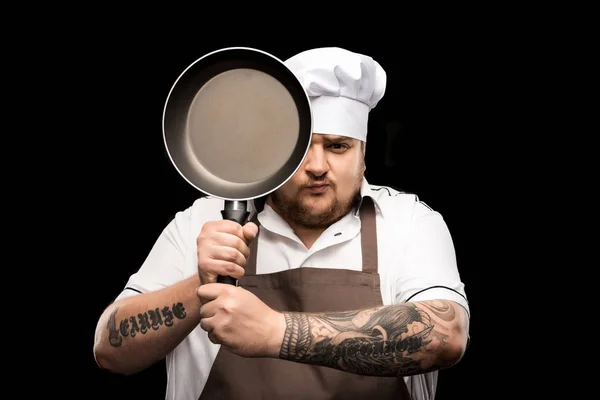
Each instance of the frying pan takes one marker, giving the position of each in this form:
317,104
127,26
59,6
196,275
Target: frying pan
237,125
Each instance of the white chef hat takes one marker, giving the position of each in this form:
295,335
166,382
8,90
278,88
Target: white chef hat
343,87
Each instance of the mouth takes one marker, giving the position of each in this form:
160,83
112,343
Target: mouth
317,188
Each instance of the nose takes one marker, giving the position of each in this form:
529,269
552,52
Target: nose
316,161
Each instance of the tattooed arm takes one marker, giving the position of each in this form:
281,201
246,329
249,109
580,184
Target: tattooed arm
135,332
397,340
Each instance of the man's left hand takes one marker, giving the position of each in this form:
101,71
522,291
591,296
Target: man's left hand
240,321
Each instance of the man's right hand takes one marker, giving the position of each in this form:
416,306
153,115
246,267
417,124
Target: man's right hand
223,249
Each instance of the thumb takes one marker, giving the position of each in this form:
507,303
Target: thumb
250,231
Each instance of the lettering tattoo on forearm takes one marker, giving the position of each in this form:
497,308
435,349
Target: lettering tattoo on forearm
142,323
384,341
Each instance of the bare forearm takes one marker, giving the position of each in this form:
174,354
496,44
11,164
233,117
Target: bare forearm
397,340
137,331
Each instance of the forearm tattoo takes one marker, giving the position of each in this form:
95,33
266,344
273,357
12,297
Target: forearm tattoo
151,320
384,341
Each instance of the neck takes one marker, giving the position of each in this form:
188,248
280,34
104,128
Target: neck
308,236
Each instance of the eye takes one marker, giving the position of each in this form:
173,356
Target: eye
338,147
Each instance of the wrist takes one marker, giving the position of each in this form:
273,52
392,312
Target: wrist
277,334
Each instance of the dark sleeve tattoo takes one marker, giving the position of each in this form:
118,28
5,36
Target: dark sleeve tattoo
151,320
384,341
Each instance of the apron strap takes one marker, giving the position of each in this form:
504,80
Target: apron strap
368,235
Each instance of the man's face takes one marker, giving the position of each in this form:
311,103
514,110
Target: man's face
326,185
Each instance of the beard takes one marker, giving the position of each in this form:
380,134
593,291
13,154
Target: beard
294,211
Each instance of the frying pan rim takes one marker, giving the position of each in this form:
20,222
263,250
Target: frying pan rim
164,134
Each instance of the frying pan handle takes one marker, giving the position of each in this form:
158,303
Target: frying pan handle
235,211
238,216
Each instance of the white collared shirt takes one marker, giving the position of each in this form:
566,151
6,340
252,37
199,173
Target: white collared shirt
417,261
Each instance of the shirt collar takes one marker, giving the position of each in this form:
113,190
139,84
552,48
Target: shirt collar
367,191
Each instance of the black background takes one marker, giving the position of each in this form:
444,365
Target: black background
432,134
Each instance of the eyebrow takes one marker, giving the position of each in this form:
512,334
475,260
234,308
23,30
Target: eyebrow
335,139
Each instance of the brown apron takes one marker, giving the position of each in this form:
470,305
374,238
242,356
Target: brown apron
307,290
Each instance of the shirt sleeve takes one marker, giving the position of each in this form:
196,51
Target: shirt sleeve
164,265
429,268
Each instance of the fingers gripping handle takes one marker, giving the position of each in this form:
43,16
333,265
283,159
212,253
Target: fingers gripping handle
236,211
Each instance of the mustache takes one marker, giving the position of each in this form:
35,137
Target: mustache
313,182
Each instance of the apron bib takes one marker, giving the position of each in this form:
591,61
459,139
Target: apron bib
307,290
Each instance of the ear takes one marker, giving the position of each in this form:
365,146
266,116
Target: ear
379,331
